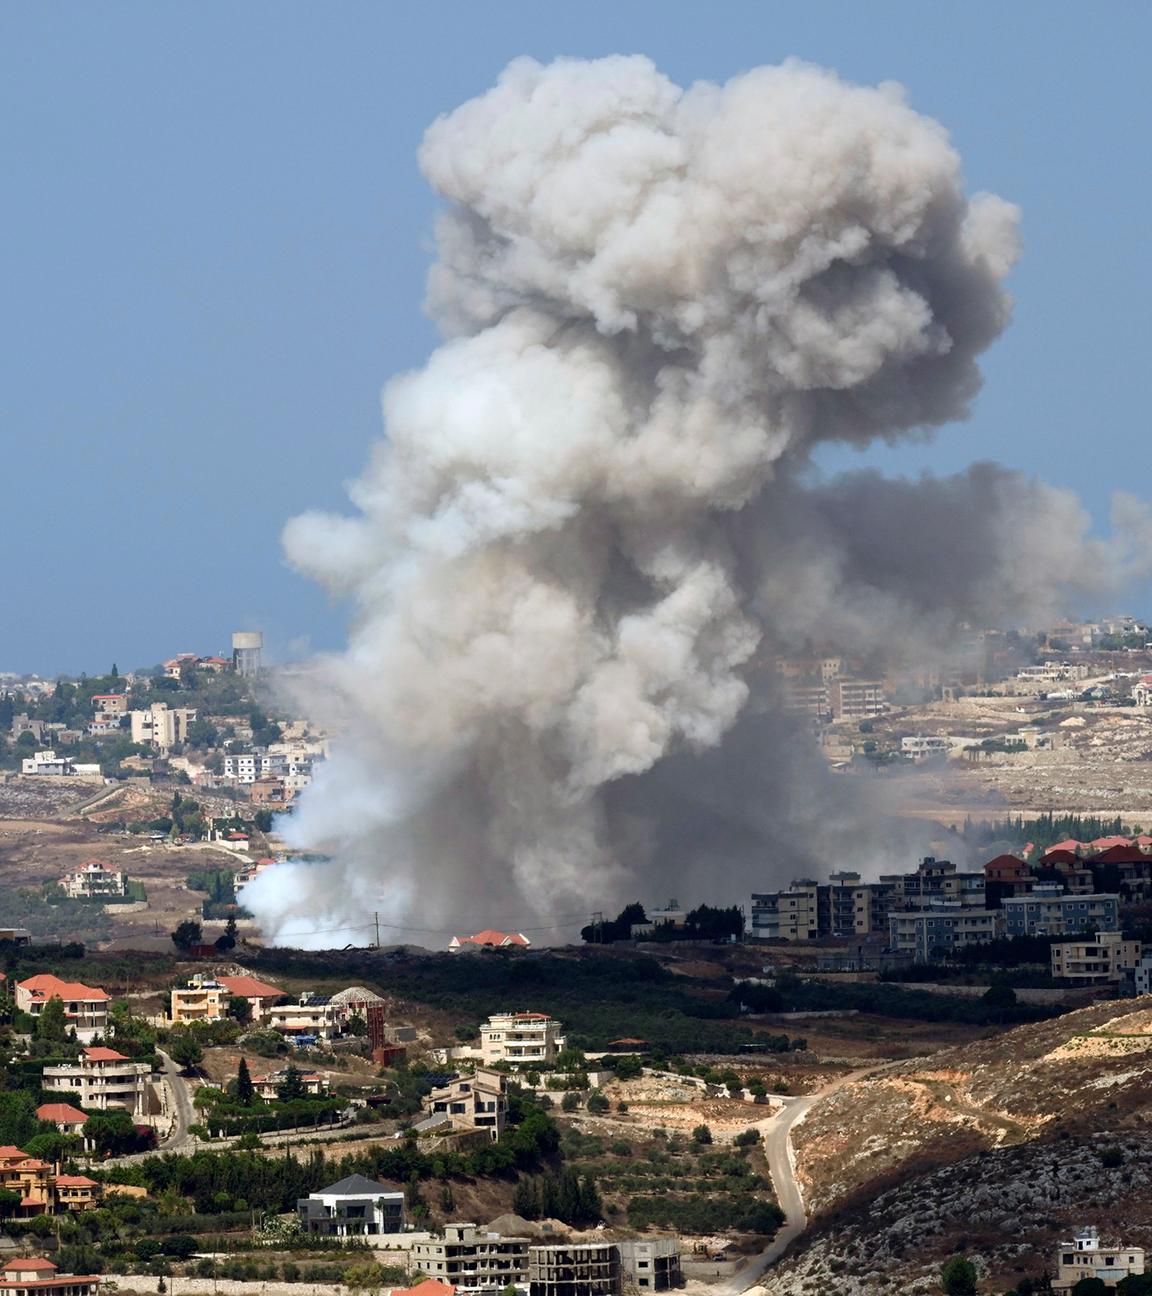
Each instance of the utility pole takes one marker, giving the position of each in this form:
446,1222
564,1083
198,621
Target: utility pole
598,926
377,918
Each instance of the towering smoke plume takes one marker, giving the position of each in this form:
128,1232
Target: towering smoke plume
593,509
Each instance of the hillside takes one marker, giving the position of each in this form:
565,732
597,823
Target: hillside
1006,1210
1087,1072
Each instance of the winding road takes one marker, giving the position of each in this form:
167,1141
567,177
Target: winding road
178,1137
776,1132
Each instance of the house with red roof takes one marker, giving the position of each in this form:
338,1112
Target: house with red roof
1072,871
489,939
259,994
1006,875
85,1007
1106,843
26,1276
66,1118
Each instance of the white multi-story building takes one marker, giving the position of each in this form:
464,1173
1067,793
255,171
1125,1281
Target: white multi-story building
1086,1257
313,1015
94,879
161,726
1095,960
103,1078
247,767
941,927
521,1038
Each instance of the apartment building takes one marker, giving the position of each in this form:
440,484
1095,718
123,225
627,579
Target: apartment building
856,699
521,1038
353,1207
651,1264
247,767
1142,974
85,1007
102,1079
919,747
113,704
1047,911
161,726
806,698
940,928
575,1269
471,1259
472,1102
790,915
1100,959
205,1001
31,1277
1086,1257
92,880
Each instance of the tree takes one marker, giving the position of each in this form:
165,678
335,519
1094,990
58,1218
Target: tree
187,934
958,1277
262,820
9,1203
245,1089
239,1009
292,1090
1089,1287
52,1024
629,1067
597,1103
227,940
570,1101
185,1050
1000,996
702,1134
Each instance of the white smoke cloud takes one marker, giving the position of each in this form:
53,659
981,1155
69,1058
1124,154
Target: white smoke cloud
589,510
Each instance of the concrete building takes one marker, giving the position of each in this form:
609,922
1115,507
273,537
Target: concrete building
856,699
1142,974
522,1038
945,925
574,1269
1101,959
1086,1257
247,650
314,1015
651,1264
161,726
924,746
47,763
247,767
115,704
102,1079
15,936
199,1001
353,1207
92,880
806,698
472,1260
1047,911
85,1007
30,1277
472,1102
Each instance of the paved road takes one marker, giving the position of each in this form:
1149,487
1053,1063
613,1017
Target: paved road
776,1132
179,1137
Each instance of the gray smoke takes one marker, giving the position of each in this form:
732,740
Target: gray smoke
592,509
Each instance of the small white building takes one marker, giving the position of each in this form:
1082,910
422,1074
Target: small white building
1086,1257
47,763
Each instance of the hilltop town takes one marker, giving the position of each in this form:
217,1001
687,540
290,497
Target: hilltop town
673,1102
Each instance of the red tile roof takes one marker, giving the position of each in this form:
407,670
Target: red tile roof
1068,844
492,937
46,986
75,1181
1104,843
32,1263
429,1287
1060,857
99,1054
9,1152
60,1112
246,987
1121,855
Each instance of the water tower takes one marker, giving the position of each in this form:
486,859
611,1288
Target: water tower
246,648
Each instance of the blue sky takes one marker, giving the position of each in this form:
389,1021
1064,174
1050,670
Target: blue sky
216,237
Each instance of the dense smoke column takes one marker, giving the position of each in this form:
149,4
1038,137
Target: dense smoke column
589,511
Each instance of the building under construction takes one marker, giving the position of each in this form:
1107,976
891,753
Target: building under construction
575,1269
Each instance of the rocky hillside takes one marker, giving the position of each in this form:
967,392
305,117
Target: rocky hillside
1006,1210
1084,1073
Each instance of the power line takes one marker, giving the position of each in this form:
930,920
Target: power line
378,923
